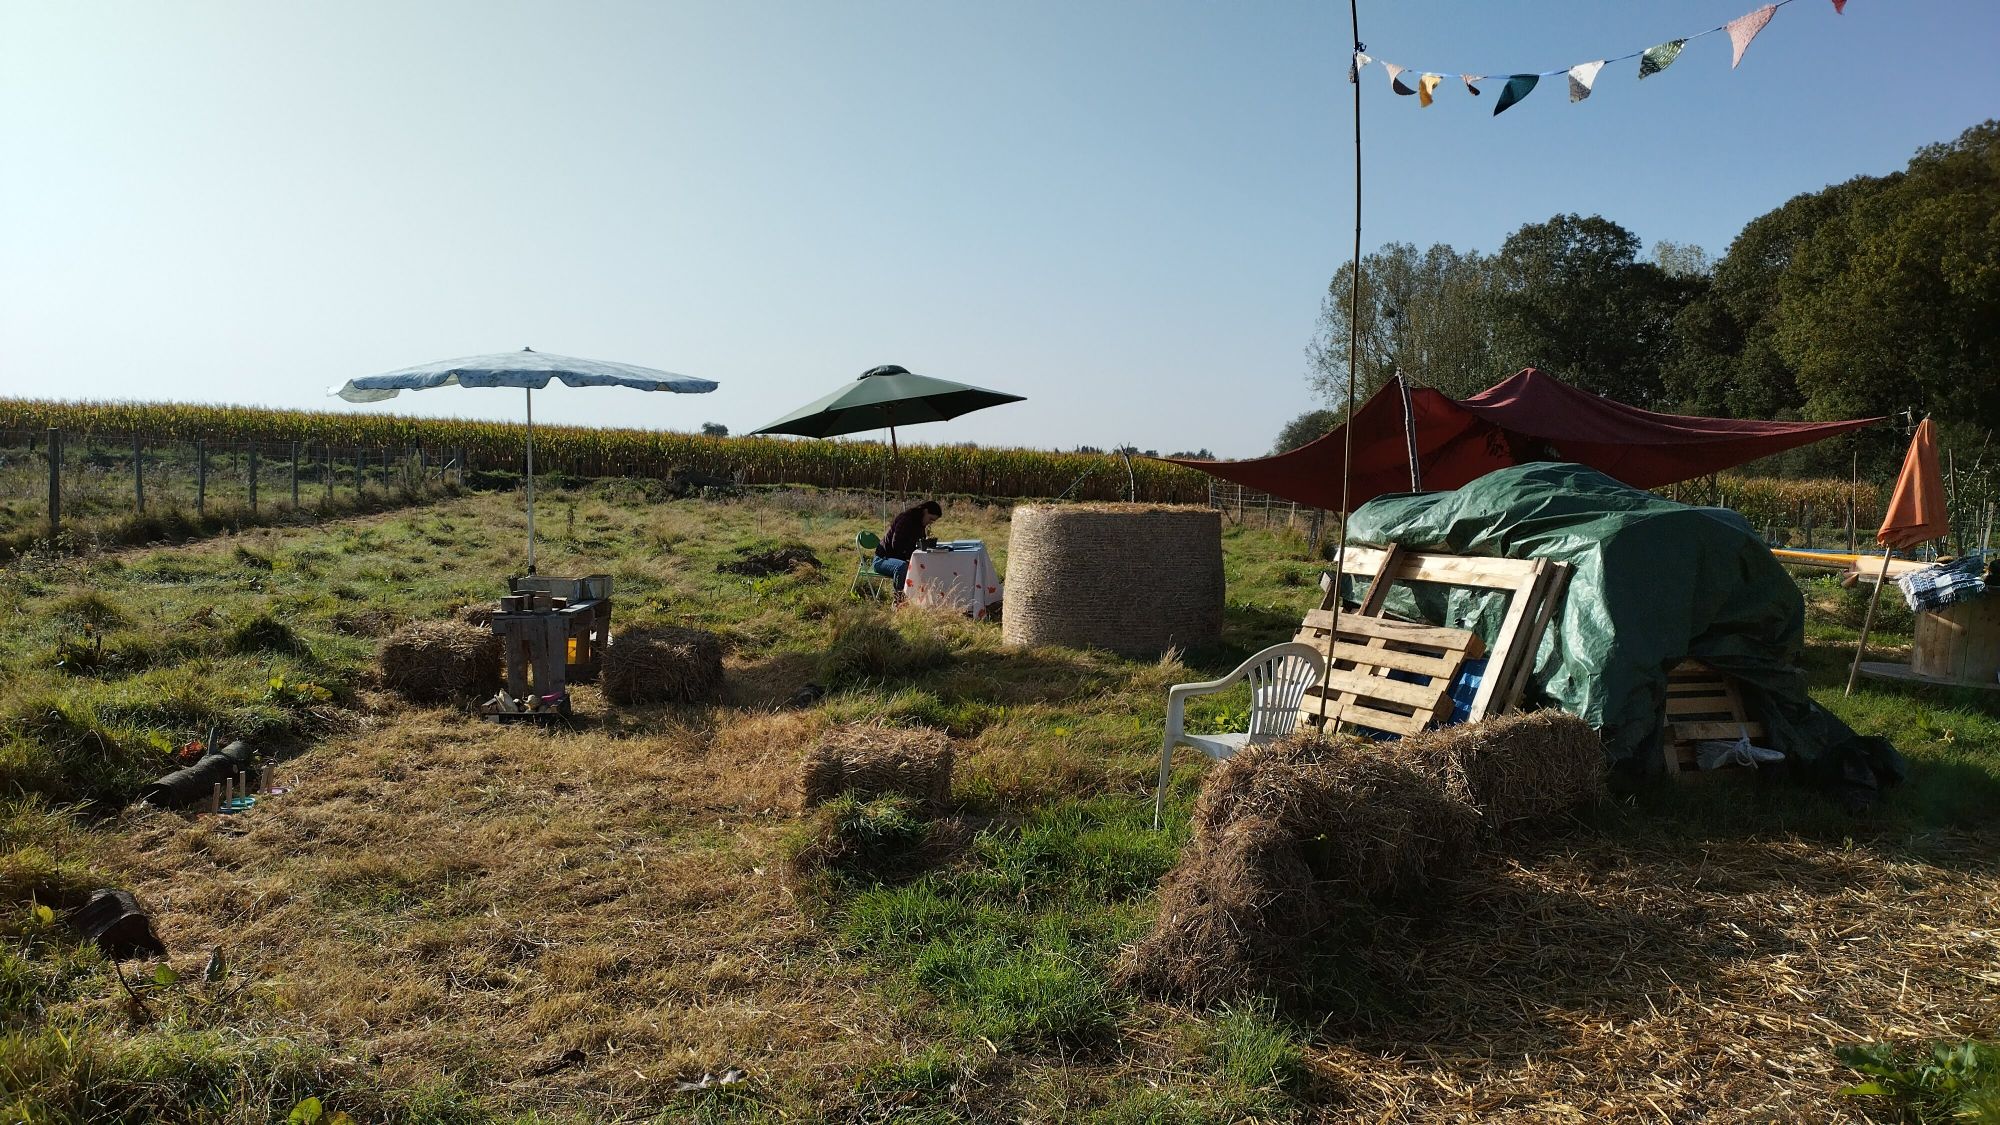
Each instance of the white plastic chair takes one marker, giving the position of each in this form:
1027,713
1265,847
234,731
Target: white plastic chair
1279,677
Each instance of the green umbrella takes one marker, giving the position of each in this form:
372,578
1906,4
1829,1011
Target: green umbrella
886,396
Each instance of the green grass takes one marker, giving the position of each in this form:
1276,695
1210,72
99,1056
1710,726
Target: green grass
988,929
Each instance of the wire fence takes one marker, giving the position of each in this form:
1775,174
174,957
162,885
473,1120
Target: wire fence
70,488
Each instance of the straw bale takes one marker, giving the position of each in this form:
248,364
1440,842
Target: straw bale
1136,579
1284,835
479,613
440,661
877,760
663,664
1515,768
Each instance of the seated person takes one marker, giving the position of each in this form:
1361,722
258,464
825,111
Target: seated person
906,531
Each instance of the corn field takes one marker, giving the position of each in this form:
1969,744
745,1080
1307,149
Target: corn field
585,452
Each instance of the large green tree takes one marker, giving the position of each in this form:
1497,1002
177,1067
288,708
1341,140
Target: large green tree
1422,312
1723,357
1572,297
1893,301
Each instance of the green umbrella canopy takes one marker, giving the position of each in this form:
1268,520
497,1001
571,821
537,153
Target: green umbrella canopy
886,397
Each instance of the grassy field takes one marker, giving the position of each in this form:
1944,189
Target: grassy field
446,921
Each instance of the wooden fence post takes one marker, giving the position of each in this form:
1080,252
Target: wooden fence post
138,474
55,485
295,474
253,476
200,478
326,469
360,472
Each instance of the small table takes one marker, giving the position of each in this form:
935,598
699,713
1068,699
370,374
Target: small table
958,574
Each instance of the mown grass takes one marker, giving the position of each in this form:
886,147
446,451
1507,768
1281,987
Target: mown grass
442,907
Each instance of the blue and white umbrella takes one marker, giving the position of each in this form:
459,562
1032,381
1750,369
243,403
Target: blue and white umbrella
528,369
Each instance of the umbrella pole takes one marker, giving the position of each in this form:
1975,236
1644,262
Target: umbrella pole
1866,622
531,480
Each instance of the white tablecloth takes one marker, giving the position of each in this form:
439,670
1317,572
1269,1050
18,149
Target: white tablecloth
961,577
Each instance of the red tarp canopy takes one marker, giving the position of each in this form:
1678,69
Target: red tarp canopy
1526,417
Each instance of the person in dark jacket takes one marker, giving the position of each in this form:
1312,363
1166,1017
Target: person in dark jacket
906,531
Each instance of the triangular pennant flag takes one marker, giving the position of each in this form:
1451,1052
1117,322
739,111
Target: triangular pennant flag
1518,87
1470,79
1745,27
1395,78
1354,68
1916,512
1427,85
1580,77
1657,59
1839,7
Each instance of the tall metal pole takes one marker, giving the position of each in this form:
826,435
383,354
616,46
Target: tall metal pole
531,480
1353,341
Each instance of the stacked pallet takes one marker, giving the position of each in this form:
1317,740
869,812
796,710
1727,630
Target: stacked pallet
1396,677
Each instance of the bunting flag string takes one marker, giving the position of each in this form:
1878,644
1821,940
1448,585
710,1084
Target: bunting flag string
1744,28
1583,76
1580,77
1657,59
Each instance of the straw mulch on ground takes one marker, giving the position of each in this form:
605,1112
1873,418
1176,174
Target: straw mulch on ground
1288,836
440,661
663,665
874,760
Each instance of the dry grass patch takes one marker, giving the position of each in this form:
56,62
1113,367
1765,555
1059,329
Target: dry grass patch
459,897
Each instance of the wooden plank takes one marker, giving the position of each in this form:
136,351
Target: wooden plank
1363,561
1505,640
1704,705
1521,653
1495,574
1430,636
1362,685
1360,715
1433,666
1551,601
1726,731
1378,588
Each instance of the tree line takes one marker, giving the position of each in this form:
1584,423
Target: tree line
1876,296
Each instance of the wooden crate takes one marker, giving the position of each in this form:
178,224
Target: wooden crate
1702,704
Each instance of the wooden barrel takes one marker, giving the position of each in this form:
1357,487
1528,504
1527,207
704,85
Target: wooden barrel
1959,642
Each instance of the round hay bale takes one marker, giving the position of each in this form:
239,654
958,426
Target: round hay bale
1515,768
663,665
876,760
1136,579
440,661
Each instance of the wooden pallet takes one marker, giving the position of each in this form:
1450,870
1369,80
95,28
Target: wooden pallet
1358,690
1702,703
1534,589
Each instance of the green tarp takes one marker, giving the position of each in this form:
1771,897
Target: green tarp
1652,582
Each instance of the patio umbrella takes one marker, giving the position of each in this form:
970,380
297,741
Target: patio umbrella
528,369
886,396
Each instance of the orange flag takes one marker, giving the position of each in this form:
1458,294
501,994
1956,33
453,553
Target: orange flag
1916,512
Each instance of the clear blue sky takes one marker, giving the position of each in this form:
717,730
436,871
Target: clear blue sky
1126,211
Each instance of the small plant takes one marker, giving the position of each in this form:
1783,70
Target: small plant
81,655
294,693
1953,1082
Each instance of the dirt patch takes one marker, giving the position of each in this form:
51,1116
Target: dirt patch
779,560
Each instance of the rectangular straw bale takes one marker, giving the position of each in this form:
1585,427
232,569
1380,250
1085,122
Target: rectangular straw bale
876,760
1515,768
